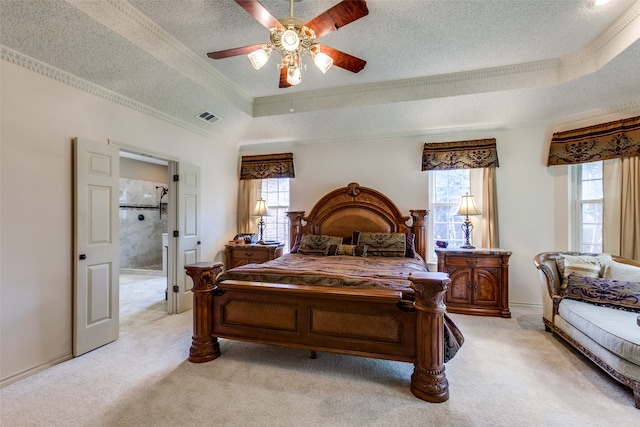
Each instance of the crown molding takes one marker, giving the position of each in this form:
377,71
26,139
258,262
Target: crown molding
24,61
127,21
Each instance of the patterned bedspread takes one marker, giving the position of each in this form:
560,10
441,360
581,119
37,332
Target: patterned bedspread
345,271
336,271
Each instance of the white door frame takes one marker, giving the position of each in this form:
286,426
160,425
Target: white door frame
172,214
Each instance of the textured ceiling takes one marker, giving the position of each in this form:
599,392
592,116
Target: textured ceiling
433,67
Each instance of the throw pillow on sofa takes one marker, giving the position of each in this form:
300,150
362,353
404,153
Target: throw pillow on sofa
620,271
618,294
586,265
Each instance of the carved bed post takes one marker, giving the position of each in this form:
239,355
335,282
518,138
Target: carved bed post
429,381
204,346
419,228
295,226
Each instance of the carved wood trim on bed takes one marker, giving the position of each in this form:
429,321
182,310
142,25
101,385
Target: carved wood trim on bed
352,208
334,320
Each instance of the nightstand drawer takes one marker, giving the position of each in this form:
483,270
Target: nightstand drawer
472,261
237,255
241,257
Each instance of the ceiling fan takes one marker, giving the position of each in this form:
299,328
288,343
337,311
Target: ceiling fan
293,38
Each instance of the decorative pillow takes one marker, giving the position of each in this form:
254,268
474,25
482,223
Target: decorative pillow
362,250
410,250
341,250
620,271
351,250
587,265
608,293
384,244
317,244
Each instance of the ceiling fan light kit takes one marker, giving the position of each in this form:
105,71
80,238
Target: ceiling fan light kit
293,38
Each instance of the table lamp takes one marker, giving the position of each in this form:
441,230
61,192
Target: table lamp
261,211
467,207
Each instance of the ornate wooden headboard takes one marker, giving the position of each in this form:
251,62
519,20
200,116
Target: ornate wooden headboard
355,208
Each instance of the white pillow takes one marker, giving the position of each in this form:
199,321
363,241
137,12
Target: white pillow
586,265
620,271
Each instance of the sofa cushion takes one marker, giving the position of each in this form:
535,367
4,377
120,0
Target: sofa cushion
618,294
620,271
615,330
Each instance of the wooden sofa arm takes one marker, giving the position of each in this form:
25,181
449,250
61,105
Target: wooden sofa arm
546,271
556,302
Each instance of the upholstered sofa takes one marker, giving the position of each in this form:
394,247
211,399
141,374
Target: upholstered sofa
592,302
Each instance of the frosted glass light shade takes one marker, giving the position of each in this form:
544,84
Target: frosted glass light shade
323,62
294,76
290,40
258,58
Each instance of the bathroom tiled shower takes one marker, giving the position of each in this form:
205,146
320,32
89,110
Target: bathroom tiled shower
143,220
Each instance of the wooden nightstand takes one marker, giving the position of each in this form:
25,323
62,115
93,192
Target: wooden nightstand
237,255
479,281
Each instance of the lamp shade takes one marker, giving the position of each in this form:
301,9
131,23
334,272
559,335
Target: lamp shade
258,58
468,206
261,208
293,76
323,61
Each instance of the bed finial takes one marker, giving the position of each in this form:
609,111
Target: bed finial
354,189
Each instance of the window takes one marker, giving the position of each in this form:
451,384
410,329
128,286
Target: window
588,206
447,187
276,192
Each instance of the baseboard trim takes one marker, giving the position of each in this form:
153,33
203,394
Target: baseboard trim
27,373
525,304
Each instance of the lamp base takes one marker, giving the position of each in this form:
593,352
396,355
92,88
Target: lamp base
467,227
261,228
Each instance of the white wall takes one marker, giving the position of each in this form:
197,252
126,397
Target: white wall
40,116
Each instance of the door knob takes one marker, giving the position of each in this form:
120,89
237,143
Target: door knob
82,257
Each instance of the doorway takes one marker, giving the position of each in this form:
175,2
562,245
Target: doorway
143,216
96,301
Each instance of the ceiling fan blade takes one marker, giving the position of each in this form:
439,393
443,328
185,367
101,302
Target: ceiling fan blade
234,52
344,60
283,78
338,16
260,13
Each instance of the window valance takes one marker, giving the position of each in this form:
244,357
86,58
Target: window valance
600,142
267,166
479,153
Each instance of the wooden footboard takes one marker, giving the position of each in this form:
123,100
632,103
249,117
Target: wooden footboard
370,322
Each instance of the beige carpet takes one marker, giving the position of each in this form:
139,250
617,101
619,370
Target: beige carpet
509,373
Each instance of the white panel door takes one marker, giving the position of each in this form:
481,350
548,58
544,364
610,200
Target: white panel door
188,244
96,248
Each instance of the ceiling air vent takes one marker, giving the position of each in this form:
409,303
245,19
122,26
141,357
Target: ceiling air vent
208,117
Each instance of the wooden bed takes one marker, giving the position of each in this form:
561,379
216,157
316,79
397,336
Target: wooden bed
379,323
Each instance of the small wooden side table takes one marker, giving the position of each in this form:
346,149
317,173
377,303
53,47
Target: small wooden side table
237,255
479,281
